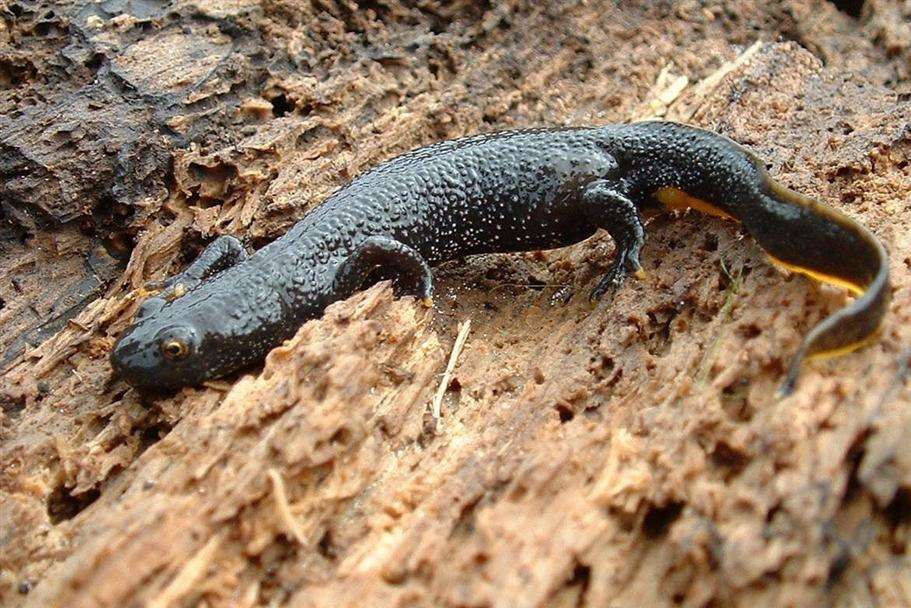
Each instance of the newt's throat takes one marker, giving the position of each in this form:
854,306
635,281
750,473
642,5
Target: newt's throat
675,198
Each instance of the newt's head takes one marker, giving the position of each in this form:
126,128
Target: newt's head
208,332
158,355
177,343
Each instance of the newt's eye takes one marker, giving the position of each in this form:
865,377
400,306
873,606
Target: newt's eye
177,343
174,350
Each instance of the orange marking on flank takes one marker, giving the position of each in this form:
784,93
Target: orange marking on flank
675,198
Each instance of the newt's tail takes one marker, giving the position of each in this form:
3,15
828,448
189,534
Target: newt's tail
681,166
808,237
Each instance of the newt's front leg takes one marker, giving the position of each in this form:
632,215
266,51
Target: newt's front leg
220,254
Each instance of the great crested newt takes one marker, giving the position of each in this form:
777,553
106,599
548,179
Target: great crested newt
499,192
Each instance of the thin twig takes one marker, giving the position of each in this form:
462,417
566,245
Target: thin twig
704,88
189,575
453,357
284,507
665,91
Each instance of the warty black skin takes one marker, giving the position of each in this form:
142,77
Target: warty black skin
501,192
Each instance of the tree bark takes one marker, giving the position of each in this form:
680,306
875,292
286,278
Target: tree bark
626,454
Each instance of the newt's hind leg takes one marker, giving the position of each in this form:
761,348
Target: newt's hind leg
608,208
414,275
222,253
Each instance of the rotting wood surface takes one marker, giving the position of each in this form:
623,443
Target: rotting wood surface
624,454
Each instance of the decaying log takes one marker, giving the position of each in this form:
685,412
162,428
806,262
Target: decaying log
629,453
